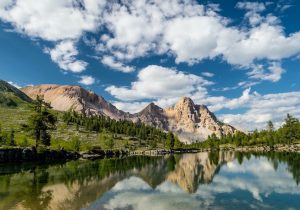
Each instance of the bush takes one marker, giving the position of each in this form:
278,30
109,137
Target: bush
76,144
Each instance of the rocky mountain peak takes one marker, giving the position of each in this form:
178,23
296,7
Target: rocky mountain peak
184,102
152,108
152,115
193,122
184,111
66,97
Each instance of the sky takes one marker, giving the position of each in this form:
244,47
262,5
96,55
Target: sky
240,58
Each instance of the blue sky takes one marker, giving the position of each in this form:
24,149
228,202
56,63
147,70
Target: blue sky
241,58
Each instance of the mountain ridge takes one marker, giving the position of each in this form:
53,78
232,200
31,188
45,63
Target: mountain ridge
66,97
189,121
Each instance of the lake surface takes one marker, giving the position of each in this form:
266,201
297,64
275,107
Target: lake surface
223,180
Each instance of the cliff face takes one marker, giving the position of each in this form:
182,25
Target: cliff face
189,121
65,97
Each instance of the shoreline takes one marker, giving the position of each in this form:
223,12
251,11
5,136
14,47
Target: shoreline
31,155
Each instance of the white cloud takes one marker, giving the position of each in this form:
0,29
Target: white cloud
253,11
156,82
64,55
252,6
52,20
208,74
198,39
206,34
219,102
258,43
87,80
110,61
273,72
261,108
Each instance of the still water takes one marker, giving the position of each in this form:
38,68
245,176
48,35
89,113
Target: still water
223,180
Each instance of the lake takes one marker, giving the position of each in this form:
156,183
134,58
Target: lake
218,180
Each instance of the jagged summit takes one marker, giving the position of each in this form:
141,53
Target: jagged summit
151,109
189,121
185,101
152,115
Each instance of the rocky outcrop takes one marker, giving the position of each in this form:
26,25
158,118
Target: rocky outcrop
152,115
189,121
66,97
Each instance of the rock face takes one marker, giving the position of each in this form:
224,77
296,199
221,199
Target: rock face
152,115
189,121
66,97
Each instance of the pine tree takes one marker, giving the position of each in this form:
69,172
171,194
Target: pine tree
270,126
42,121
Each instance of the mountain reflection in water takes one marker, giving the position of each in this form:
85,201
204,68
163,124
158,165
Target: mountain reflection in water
220,180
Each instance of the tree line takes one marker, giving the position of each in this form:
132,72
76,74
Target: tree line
141,131
288,133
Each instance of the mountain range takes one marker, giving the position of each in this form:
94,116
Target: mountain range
189,121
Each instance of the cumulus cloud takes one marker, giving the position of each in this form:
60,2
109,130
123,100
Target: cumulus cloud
207,35
220,102
156,82
272,73
87,80
261,108
253,10
112,63
64,54
52,20
251,6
